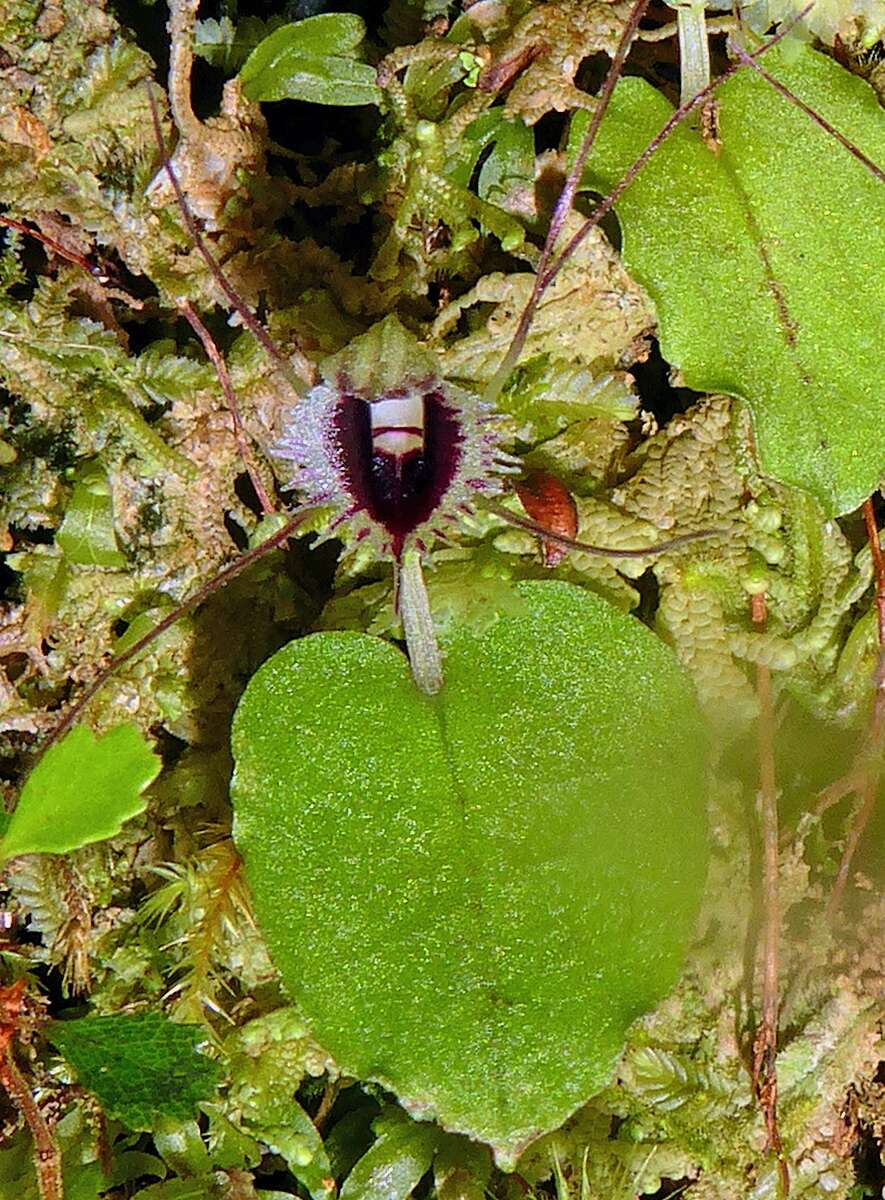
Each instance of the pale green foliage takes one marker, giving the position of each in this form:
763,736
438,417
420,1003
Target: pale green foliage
316,60
81,791
756,322
443,819
855,22
128,455
203,910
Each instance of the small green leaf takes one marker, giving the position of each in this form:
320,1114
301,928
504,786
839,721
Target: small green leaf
81,791
760,261
140,1068
327,33
179,1189
300,1144
180,1144
313,60
510,168
86,534
505,875
395,1163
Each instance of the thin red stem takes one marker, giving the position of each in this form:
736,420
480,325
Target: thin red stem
47,1159
568,543
783,90
660,137
567,196
302,365
765,1040
243,446
871,773
79,260
869,517
202,593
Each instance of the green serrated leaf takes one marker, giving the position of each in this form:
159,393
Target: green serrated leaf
140,1068
313,60
760,261
505,875
87,534
81,791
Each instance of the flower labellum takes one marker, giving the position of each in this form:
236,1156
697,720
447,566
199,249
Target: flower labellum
398,451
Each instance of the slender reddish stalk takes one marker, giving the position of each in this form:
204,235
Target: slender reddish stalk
244,447
865,781
47,1160
567,543
303,367
869,517
605,205
202,593
566,199
783,90
765,1040
79,260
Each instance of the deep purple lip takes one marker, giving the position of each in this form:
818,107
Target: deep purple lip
398,491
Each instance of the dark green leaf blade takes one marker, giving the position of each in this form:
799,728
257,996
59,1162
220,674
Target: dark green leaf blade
506,876
760,262
140,1068
81,791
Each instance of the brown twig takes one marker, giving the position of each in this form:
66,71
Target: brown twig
300,364
202,593
47,1159
765,1040
784,91
864,778
327,1102
244,447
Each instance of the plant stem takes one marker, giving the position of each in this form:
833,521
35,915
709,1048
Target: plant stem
868,777
47,1160
694,49
414,608
765,1040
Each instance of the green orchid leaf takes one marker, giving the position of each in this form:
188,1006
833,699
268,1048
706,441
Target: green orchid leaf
86,535
314,60
141,1068
473,896
760,261
81,791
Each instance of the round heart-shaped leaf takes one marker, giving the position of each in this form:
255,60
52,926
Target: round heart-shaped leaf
472,896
